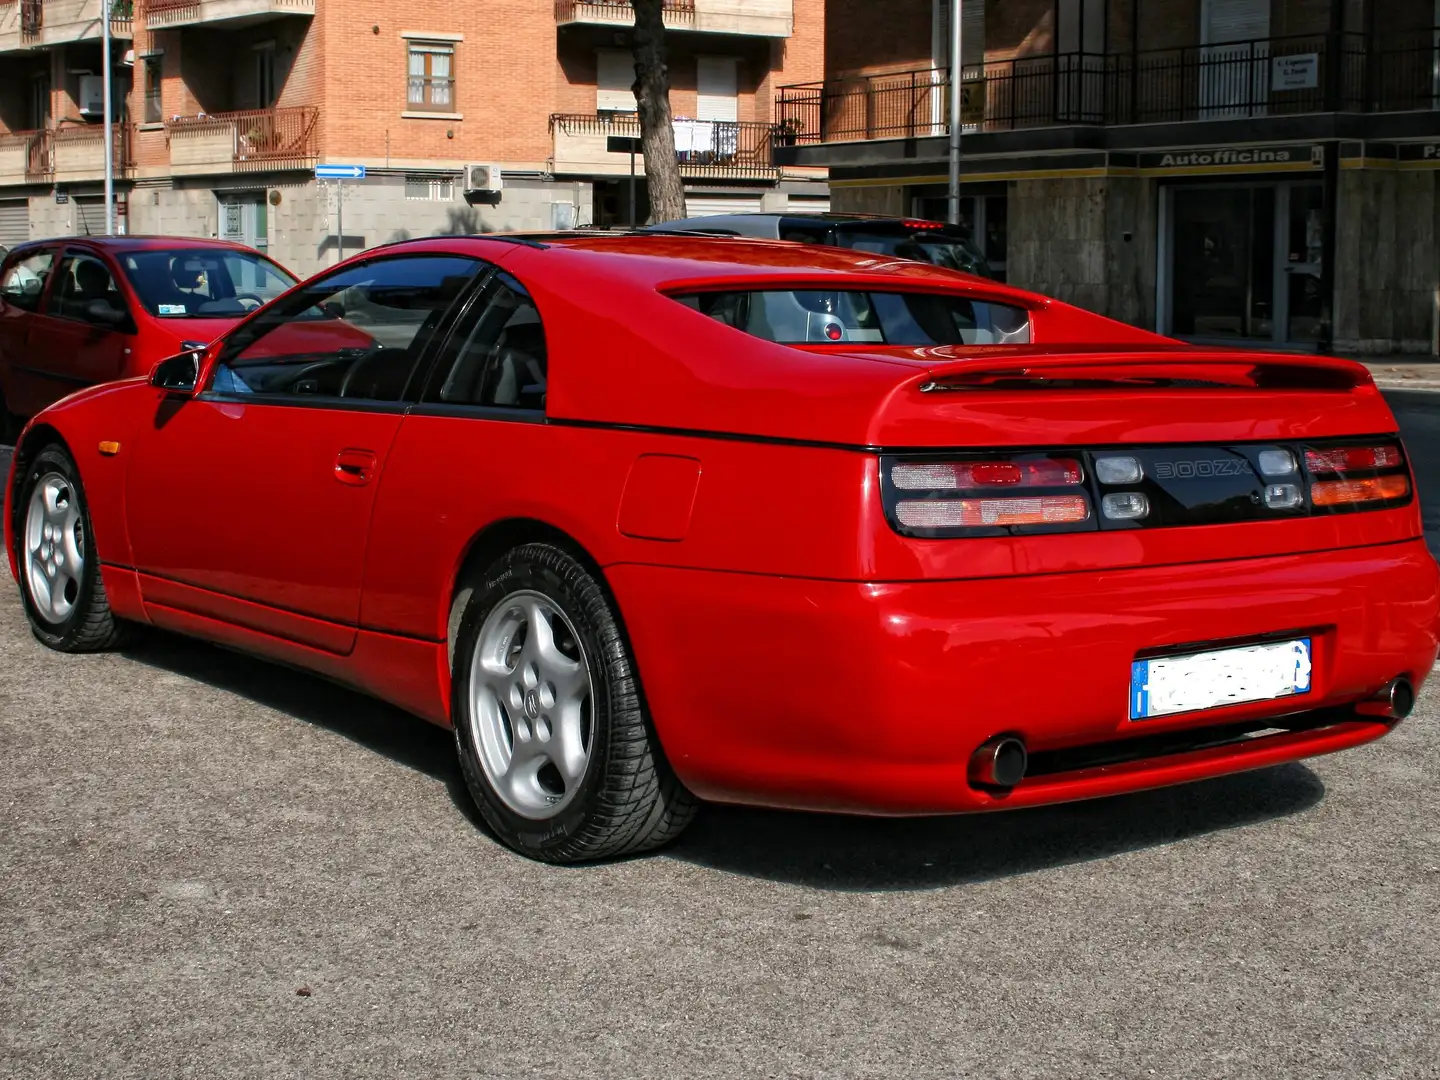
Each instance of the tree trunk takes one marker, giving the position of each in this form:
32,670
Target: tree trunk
657,131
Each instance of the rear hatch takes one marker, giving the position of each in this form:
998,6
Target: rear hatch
1059,462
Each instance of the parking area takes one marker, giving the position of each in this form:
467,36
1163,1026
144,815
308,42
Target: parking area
214,867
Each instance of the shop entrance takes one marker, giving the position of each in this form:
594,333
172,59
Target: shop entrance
1241,263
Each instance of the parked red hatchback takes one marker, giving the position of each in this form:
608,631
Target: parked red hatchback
84,310
652,519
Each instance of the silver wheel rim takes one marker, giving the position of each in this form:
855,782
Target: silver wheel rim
54,547
531,705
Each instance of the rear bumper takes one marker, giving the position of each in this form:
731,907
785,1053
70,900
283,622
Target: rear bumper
871,697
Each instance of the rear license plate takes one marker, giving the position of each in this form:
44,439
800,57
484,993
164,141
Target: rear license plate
1165,685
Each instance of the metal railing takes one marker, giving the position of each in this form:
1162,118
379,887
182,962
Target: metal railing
38,150
672,11
259,139
738,149
1269,77
80,148
160,13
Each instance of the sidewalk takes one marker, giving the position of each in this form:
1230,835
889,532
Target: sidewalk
1404,372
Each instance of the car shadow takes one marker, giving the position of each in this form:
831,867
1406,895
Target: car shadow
822,851
845,853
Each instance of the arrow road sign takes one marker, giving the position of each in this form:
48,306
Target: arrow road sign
339,172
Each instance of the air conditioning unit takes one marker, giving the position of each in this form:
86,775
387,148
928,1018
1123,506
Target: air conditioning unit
92,95
480,178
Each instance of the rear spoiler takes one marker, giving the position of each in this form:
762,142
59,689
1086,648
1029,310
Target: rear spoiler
1147,371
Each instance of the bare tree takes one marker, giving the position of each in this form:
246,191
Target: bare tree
652,96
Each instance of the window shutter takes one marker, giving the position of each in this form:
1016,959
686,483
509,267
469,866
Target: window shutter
972,32
717,85
615,75
1236,20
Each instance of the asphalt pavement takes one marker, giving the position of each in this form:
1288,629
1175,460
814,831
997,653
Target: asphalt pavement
212,867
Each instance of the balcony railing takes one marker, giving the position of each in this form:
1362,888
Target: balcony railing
254,140
77,154
163,14
677,14
56,22
1276,76
708,149
26,157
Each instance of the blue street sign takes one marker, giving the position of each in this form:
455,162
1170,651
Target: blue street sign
339,172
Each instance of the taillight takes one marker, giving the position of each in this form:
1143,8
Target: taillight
987,496
1357,477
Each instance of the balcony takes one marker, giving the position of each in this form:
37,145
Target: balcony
37,24
707,150
256,140
753,18
1248,79
25,157
168,14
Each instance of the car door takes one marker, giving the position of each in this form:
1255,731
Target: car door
250,502
22,288
84,330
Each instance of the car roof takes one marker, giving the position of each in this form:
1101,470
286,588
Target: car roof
119,244
675,259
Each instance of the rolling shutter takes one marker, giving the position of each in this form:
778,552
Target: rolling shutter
1235,20
14,222
972,32
717,85
615,75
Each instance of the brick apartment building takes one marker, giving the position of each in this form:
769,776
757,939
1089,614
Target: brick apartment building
1167,162
226,106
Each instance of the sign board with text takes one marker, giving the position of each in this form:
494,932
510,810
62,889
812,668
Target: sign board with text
1234,159
1295,72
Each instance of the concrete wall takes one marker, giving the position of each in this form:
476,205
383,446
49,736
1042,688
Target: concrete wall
1087,241
869,200
1389,269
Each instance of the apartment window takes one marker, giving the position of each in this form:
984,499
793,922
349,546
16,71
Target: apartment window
432,76
265,75
153,113
430,188
614,80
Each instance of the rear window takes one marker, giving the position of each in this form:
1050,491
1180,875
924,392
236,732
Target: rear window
951,252
829,316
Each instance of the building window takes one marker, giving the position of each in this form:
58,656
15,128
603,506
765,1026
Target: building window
265,75
153,112
432,79
614,80
430,188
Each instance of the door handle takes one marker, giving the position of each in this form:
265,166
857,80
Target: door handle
355,467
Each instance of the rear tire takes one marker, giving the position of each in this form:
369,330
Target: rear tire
60,582
550,723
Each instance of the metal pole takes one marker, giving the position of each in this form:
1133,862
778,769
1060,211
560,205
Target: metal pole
956,76
109,125
339,221
632,185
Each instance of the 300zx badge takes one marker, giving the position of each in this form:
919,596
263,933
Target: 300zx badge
1185,470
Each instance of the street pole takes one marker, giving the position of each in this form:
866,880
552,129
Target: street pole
956,76
632,183
339,221
105,7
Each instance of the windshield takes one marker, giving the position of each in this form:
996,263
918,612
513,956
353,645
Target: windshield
203,283
833,317
951,252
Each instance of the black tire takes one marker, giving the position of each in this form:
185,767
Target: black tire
90,626
628,799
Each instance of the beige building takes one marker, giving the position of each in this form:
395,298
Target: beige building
470,117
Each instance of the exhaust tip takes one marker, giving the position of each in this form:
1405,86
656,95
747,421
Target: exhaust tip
1395,701
999,763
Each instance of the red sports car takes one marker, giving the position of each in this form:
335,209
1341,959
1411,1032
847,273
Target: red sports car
652,519
85,310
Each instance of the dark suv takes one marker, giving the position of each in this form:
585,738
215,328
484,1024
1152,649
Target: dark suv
937,242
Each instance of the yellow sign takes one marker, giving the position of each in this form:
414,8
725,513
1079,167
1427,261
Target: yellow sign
972,103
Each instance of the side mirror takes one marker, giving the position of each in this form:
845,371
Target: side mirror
178,374
101,313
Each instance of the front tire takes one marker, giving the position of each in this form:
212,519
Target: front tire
60,582
550,722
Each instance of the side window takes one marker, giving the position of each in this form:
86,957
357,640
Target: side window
24,280
85,292
355,333
499,356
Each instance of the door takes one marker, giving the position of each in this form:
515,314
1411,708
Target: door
14,222
972,59
250,502
1222,252
84,331
22,288
1234,58
244,219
